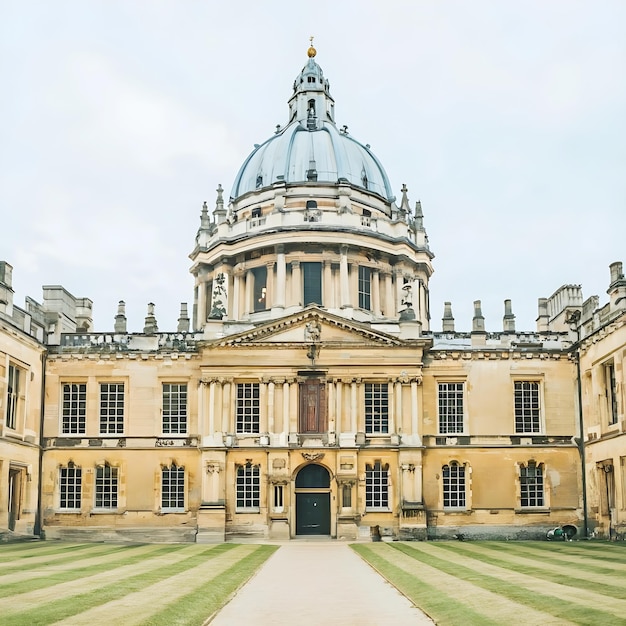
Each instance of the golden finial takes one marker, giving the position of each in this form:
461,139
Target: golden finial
311,51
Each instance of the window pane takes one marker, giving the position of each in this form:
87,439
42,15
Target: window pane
174,408
453,485
376,408
173,487
376,486
450,408
74,408
531,485
248,487
70,487
248,408
312,280
106,487
527,416
111,408
365,288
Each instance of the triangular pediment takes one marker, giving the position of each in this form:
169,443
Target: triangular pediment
312,326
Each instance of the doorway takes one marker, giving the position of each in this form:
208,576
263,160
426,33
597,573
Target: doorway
15,496
313,500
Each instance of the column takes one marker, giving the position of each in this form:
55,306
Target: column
376,292
354,284
296,283
263,406
286,407
391,406
270,406
293,406
327,283
270,286
353,405
343,277
389,308
201,408
227,406
398,399
212,408
331,407
339,407
216,407
249,290
414,427
399,295
279,298
235,310
201,301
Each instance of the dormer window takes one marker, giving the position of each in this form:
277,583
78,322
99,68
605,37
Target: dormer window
311,79
256,212
259,181
311,107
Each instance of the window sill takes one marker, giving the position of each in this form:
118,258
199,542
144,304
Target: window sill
67,511
170,511
252,509
377,509
106,512
538,510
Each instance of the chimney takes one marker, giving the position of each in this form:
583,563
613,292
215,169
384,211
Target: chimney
150,327
508,321
542,315
120,319
617,288
183,320
448,319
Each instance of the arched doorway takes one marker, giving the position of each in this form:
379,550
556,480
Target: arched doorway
313,500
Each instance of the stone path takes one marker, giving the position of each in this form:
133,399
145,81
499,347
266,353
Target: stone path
306,583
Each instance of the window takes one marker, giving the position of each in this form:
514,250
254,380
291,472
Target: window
451,407
531,485
453,485
70,486
278,498
106,487
111,408
365,288
346,496
173,488
248,408
376,408
611,391
527,408
312,280
260,288
74,408
377,486
248,487
13,395
174,408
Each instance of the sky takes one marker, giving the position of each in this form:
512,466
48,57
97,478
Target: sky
507,120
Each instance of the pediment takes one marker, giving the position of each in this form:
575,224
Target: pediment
311,326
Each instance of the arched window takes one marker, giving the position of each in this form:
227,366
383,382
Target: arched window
454,485
531,484
70,486
106,487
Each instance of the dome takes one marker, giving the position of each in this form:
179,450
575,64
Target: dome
311,148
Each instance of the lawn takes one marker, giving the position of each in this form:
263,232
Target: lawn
156,585
483,583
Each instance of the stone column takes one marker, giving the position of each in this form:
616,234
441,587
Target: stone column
212,408
331,407
228,406
286,407
216,406
343,277
353,405
202,312
270,406
338,406
376,292
235,311
389,307
296,283
279,296
327,282
399,292
354,284
398,399
270,287
414,423
247,301
263,406
293,406
391,407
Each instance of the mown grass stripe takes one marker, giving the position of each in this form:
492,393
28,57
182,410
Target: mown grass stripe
11,556
548,597
38,566
443,608
198,605
77,601
602,562
54,578
603,584
144,601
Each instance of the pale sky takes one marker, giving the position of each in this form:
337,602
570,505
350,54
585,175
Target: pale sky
506,119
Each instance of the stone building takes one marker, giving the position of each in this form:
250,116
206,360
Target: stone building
307,392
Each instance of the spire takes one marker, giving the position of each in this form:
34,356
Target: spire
311,52
419,216
220,211
404,203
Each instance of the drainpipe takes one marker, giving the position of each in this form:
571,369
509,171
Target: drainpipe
574,319
38,528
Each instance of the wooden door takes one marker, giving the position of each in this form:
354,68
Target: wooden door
312,407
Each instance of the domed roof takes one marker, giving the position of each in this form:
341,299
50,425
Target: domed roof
311,148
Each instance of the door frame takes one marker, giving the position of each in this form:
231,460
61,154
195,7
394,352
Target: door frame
330,490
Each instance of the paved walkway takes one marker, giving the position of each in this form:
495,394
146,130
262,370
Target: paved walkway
306,583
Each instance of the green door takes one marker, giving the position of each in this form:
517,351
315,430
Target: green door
312,514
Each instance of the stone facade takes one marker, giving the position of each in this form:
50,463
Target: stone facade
307,393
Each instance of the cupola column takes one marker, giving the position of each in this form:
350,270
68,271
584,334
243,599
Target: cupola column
296,283
328,298
343,278
279,295
249,291
270,286
202,299
389,305
376,293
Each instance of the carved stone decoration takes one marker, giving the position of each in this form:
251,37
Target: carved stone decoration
213,468
312,331
279,464
313,456
219,297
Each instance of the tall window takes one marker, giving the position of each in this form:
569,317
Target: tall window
174,408
531,484
106,487
74,408
376,408
453,485
13,395
611,391
527,407
111,408
248,408
173,488
377,486
365,288
312,281
248,487
450,408
70,486
260,288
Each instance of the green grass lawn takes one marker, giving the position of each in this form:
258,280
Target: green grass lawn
159,585
482,583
